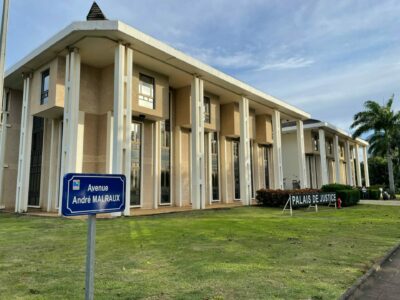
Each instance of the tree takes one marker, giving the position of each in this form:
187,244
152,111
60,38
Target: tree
383,122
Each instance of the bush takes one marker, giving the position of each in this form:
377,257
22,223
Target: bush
349,197
278,198
334,187
374,194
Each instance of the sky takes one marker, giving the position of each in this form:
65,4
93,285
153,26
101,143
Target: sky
325,57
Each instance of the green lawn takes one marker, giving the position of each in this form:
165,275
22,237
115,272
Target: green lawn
241,253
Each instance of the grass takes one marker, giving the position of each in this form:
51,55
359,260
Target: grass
241,253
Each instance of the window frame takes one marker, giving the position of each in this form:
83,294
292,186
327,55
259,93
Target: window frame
144,95
44,94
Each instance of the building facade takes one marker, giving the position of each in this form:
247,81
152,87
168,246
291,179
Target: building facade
102,97
330,155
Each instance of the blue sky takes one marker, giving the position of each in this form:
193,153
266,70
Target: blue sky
325,57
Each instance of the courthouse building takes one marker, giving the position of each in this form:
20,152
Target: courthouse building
330,155
102,97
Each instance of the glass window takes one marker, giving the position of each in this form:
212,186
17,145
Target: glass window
316,142
44,92
214,166
146,91
266,167
236,170
165,162
136,163
207,110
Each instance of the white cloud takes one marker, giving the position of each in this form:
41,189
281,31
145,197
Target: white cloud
290,63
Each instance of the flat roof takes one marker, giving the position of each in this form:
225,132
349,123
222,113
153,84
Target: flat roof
119,31
315,124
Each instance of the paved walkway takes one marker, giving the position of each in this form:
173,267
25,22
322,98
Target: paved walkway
384,284
381,202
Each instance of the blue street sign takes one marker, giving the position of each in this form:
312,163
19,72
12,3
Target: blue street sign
87,194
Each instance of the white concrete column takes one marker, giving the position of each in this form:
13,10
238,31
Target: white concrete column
128,127
73,130
109,148
257,164
156,164
209,168
244,153
197,144
358,165
336,153
223,170
118,126
24,157
366,169
3,139
301,155
277,150
348,163
322,155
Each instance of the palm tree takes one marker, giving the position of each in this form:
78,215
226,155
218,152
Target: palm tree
384,124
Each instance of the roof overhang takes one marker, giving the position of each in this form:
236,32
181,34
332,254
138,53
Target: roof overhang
120,32
332,128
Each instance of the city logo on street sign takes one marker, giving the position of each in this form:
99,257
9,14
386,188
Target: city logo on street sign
86,194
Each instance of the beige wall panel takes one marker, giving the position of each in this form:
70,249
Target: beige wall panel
185,167
182,107
101,143
106,90
308,148
60,82
161,110
290,159
36,84
264,129
90,149
252,124
12,150
147,166
230,119
89,89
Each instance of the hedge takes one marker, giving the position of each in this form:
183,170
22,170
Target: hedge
278,198
348,197
334,187
374,194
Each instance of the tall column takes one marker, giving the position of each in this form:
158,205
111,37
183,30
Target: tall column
118,126
209,168
128,69
72,144
336,153
301,154
244,153
358,166
197,140
24,157
366,169
3,139
223,164
322,155
178,171
53,163
156,164
348,163
277,150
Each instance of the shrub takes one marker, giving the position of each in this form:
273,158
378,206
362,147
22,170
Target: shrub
278,198
334,187
349,197
374,194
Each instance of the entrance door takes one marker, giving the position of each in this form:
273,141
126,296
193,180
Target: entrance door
36,162
136,163
236,171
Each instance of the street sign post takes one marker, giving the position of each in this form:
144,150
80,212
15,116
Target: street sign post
91,194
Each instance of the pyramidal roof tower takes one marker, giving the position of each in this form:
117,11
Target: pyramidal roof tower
95,13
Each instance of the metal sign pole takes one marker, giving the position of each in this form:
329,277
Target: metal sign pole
90,257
